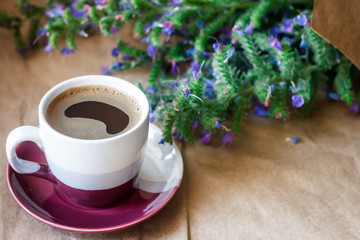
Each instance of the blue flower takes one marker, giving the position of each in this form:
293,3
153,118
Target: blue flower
282,84
147,27
260,111
301,19
41,32
297,101
151,51
216,46
67,51
287,26
226,32
186,92
115,52
168,28
209,83
200,24
145,40
333,96
150,89
48,48
101,2
174,67
205,137
117,66
354,109
303,44
58,10
293,139
249,29
206,54
162,141
289,40
228,138
174,84
196,74
114,30
175,2
275,43
105,70
189,52
75,12
274,31
210,93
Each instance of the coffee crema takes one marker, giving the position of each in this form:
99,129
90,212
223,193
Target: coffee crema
93,112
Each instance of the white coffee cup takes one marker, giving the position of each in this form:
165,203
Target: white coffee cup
86,172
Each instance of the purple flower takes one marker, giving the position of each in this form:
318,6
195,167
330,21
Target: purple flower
147,27
105,70
228,138
301,19
75,12
114,30
174,84
354,109
293,139
117,66
206,54
168,28
175,2
275,43
289,40
210,93
195,125
151,51
58,10
41,32
287,26
186,92
174,67
196,74
115,52
333,96
152,117
216,46
249,29
205,137
189,52
194,65
67,51
150,89
48,48
297,101
101,2
209,83
260,111
226,32
274,31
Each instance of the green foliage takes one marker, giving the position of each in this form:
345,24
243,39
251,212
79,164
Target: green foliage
203,76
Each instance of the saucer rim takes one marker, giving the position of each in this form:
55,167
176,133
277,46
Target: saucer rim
102,229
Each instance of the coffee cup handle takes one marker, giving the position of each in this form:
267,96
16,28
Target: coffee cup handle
22,134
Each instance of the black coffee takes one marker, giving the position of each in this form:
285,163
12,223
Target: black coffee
93,112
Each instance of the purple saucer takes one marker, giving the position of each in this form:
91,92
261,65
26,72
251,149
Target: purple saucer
37,197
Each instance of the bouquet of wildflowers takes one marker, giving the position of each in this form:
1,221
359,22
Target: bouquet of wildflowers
212,62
